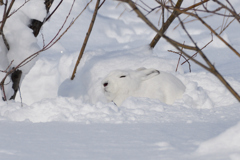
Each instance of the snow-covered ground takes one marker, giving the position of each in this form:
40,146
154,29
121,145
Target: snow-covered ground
64,119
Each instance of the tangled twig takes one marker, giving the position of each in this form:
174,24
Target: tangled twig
208,66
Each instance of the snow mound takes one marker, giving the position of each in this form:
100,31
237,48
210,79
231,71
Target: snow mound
203,90
96,65
227,143
82,100
69,109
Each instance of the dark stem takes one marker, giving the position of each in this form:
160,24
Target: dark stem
16,78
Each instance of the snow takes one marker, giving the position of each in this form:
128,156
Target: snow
220,144
64,119
26,46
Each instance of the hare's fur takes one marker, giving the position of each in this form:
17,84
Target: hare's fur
150,83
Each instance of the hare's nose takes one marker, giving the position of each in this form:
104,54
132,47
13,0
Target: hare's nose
105,84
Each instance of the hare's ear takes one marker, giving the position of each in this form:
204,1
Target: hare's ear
146,74
140,69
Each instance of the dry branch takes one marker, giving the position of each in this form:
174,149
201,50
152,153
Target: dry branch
176,44
166,24
172,17
53,11
210,67
6,13
232,11
194,55
86,39
210,28
181,55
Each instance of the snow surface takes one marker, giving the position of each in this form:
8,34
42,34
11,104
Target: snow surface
64,119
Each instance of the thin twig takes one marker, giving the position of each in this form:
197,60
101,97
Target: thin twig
53,11
212,30
190,21
226,27
5,15
181,54
232,11
16,10
194,55
20,96
3,91
179,58
101,4
6,70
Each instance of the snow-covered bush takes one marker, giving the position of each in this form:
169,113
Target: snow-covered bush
18,42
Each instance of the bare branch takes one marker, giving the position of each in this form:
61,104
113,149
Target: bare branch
86,39
211,68
232,11
212,30
54,11
5,16
194,55
181,55
166,24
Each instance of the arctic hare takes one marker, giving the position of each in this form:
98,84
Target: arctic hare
150,83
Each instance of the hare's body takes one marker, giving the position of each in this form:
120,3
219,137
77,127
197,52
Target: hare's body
164,87
150,83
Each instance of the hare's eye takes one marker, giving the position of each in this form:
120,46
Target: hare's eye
122,76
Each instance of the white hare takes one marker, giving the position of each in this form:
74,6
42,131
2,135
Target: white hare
150,83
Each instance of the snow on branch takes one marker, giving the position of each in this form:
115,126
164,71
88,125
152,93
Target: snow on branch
36,25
